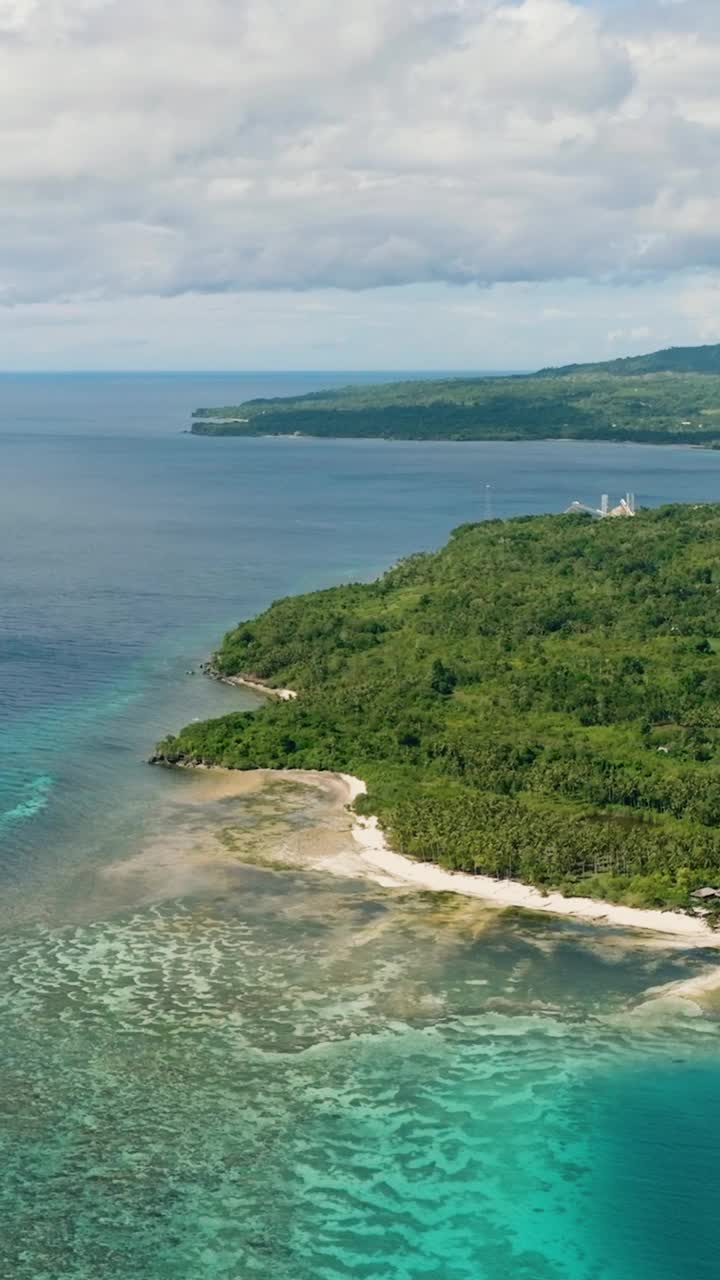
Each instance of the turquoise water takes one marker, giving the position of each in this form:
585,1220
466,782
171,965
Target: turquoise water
277,1085
250,1072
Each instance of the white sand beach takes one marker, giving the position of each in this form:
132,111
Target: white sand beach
512,893
375,858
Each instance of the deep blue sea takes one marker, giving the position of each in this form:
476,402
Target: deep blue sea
220,1070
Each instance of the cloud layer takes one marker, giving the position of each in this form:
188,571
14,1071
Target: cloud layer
223,145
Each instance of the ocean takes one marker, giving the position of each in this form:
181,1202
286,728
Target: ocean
214,1067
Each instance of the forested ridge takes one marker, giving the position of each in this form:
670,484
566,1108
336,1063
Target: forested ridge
538,699
666,397
705,359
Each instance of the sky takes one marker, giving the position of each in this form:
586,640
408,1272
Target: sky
372,184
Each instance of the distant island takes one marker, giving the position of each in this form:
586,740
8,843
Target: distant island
540,700
669,397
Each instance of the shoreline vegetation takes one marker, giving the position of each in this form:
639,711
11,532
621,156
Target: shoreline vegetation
669,397
374,860
537,702
378,855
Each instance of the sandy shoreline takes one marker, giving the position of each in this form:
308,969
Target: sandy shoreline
512,893
285,695
372,857
380,863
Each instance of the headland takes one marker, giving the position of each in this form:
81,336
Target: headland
536,704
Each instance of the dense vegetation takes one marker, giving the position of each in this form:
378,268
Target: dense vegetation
668,397
538,699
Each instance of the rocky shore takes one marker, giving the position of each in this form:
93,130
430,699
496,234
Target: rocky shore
250,681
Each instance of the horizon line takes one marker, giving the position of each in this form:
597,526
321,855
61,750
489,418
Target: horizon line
235,373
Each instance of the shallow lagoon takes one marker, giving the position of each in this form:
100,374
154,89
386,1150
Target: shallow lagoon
286,1073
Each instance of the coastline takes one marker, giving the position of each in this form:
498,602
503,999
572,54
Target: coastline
379,862
711,446
242,682
379,857
373,858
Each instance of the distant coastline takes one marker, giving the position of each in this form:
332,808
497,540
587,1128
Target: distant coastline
668,397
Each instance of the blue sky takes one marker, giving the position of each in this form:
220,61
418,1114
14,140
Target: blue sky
383,184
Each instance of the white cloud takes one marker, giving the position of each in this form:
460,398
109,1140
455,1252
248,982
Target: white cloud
631,336
699,303
219,145
437,326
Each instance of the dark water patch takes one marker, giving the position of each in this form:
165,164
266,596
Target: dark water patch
655,1131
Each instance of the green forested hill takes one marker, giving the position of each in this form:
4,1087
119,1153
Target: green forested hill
540,699
704,359
668,397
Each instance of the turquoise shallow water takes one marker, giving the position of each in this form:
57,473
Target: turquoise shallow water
253,1072
304,1080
